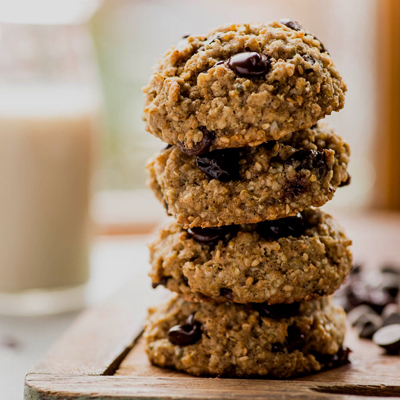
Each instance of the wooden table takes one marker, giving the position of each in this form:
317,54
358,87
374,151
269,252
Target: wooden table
102,356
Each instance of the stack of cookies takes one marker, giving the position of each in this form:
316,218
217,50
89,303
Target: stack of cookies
252,262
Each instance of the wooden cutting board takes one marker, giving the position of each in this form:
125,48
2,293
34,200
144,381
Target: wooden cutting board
102,356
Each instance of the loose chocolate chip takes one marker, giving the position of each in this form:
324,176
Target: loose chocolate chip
295,339
162,282
284,227
390,269
309,159
355,315
389,310
219,63
186,35
201,147
277,347
334,360
227,293
291,24
209,235
367,325
278,311
346,182
249,64
358,292
187,333
392,319
220,164
356,269
391,288
388,338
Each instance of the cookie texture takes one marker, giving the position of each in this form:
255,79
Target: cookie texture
196,90
245,267
238,341
273,180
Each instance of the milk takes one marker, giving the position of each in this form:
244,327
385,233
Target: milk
46,160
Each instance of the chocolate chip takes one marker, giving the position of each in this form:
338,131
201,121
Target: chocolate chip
186,334
168,146
390,269
367,325
311,60
391,288
270,145
162,282
278,311
346,182
392,319
389,310
323,48
284,227
291,24
210,40
334,360
185,280
220,164
277,347
359,293
388,338
219,63
355,315
227,293
295,339
249,64
186,35
166,207
295,187
202,147
309,159
356,269
209,235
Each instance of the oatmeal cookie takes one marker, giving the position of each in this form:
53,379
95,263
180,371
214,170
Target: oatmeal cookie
251,184
227,339
242,85
284,261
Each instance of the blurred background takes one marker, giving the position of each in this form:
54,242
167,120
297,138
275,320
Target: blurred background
73,145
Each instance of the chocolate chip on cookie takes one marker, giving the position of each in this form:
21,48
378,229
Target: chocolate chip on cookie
249,64
201,147
291,24
208,235
187,333
284,227
220,164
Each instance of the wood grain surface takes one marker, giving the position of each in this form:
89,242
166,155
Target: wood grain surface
102,356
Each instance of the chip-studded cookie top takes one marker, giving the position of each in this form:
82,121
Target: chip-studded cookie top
241,85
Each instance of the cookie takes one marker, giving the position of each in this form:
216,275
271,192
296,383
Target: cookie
227,339
252,184
283,261
242,85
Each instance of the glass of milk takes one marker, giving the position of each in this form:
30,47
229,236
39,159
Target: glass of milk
49,107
